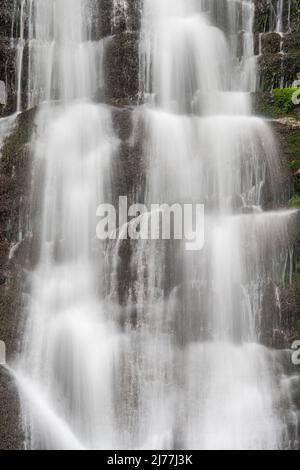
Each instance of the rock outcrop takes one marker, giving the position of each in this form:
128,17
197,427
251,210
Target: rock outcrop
7,58
278,64
18,206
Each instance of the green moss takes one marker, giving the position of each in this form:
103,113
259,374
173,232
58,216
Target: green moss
283,103
294,201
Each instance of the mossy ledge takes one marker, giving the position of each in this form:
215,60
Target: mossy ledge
15,170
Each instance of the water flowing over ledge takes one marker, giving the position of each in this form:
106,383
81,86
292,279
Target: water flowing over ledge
136,345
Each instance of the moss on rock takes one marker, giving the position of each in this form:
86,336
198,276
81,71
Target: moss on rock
122,69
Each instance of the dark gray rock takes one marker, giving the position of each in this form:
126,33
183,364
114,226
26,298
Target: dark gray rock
15,171
8,76
122,69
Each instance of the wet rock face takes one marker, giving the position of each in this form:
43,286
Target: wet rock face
278,65
121,63
121,30
279,61
280,316
6,15
7,76
126,16
266,15
7,57
282,309
11,436
277,69
9,33
122,69
280,324
271,43
114,17
15,171
270,71
290,314
118,24
270,319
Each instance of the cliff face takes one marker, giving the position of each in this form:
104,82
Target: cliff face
14,258
120,62
278,64
278,43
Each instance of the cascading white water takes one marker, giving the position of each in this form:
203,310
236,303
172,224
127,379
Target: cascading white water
188,370
203,145
51,69
120,13
66,371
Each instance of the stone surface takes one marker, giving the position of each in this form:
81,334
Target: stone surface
11,436
122,69
279,62
8,75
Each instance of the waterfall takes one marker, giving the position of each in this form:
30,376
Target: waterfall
179,362
203,145
120,13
